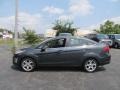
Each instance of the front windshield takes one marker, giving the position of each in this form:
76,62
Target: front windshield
102,36
117,36
40,45
35,45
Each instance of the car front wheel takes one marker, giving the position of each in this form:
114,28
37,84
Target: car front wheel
90,65
28,65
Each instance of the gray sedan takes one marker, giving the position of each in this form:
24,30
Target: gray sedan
64,51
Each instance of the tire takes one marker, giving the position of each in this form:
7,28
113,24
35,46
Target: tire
90,65
116,45
28,65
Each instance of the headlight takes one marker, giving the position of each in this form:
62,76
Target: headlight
19,51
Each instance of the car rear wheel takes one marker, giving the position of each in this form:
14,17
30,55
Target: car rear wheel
28,65
90,65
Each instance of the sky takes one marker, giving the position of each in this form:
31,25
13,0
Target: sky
41,15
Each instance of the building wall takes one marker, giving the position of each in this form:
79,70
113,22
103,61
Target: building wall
50,33
6,35
84,32
79,32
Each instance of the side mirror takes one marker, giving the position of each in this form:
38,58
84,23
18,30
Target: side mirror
44,48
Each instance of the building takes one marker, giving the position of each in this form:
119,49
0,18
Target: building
9,36
5,35
83,32
79,32
50,33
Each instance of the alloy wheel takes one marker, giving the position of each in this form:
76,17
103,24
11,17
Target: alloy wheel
90,65
28,65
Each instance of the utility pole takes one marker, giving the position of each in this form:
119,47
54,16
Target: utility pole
16,26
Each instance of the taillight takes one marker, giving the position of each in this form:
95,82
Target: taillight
106,49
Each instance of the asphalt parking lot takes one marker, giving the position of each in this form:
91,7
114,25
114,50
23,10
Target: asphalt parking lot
105,78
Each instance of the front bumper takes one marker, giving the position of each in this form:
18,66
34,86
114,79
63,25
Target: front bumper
16,60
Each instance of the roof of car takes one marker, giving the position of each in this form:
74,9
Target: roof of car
113,34
67,37
65,33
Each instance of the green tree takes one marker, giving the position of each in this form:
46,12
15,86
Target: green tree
109,27
1,30
9,31
30,36
116,29
64,27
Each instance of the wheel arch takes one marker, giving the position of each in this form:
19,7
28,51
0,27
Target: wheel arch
33,58
90,57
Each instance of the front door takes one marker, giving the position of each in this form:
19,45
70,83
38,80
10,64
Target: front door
51,54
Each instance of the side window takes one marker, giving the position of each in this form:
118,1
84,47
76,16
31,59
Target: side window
112,37
109,36
56,43
87,42
74,42
80,42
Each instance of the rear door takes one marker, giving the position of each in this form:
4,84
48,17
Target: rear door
73,54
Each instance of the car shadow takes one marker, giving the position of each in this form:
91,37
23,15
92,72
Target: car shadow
16,68
58,69
100,69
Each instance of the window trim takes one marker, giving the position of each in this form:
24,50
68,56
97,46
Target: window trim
56,39
84,39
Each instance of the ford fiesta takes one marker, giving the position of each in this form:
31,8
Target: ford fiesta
63,51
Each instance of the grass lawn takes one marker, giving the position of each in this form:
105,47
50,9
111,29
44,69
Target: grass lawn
9,42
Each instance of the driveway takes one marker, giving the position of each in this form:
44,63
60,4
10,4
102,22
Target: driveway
46,78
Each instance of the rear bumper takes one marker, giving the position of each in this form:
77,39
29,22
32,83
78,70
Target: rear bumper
104,61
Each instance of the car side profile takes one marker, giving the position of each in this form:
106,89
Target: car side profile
116,40
101,38
64,51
